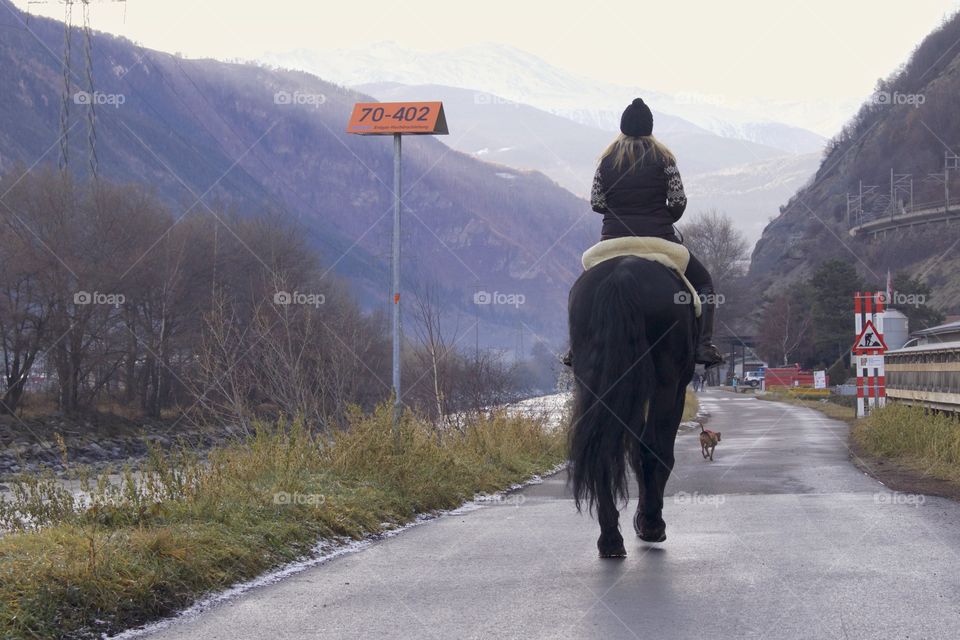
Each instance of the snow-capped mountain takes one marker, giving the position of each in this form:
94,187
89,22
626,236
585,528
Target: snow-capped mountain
498,130
518,76
752,193
747,180
511,108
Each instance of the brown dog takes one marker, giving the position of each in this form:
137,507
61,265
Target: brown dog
708,442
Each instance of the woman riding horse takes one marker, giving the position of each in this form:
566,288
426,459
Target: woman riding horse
633,347
638,189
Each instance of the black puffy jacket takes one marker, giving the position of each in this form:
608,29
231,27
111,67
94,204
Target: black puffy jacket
643,200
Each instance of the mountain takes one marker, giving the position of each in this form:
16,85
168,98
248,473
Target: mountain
752,193
202,131
526,79
906,130
747,180
497,129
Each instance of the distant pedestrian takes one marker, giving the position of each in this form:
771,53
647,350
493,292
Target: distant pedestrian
698,382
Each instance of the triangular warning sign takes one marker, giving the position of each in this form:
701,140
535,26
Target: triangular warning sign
869,341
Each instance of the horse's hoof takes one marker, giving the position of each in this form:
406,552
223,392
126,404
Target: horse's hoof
611,547
658,534
653,535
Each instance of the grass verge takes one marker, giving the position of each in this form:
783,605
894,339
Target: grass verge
925,442
151,544
690,406
826,406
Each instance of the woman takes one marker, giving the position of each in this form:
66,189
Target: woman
638,189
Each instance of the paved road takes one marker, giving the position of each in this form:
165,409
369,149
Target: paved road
780,537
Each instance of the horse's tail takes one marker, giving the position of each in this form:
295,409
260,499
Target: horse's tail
615,376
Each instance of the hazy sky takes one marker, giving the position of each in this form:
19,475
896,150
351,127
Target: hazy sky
798,49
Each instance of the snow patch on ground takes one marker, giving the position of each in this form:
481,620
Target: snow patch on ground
553,408
699,419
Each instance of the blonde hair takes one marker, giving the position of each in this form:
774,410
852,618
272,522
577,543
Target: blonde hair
637,151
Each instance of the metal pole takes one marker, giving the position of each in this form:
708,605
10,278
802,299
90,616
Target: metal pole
946,187
397,406
893,196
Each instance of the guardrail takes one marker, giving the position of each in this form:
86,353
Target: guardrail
920,215
925,375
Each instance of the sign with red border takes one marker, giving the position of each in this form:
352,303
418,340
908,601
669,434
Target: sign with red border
869,342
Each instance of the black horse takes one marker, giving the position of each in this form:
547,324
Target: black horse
633,331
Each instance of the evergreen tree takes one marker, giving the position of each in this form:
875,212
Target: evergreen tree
833,285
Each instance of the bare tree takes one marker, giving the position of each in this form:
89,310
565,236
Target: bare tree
712,237
24,317
231,316
435,350
784,329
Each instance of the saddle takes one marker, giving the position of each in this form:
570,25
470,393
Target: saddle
670,254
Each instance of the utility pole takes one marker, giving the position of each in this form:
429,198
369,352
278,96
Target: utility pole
950,161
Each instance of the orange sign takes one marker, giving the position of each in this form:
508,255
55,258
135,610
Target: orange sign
387,118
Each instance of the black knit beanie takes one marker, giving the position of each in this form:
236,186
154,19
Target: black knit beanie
637,120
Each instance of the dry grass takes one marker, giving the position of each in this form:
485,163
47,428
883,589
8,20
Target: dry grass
691,406
823,405
915,438
153,543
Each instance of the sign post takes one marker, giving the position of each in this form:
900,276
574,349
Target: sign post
819,379
397,119
868,350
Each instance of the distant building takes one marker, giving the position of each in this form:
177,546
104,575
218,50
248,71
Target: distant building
947,332
896,329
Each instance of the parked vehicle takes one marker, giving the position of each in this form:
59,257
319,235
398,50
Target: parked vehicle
753,378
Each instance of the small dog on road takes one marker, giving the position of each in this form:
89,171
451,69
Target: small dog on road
708,442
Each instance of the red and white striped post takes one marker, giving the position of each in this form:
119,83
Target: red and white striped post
868,350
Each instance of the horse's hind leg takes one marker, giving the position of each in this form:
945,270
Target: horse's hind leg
655,453
648,521
636,462
610,542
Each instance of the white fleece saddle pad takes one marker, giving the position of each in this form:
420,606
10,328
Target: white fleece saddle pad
670,254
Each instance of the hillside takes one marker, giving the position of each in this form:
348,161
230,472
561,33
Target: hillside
751,193
202,132
907,130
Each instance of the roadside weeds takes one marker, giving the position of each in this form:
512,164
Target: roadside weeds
125,554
